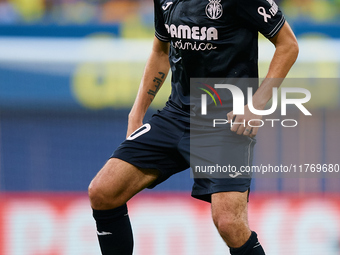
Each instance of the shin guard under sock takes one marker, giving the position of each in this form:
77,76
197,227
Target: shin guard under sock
114,231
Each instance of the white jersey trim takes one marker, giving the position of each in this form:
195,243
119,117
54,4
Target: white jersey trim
161,37
277,27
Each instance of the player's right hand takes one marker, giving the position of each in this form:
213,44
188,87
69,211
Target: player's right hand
246,130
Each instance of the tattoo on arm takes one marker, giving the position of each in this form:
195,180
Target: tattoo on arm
157,84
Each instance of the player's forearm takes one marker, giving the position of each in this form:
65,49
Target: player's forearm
285,55
155,73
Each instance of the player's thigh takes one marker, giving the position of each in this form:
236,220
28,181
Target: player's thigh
117,182
229,208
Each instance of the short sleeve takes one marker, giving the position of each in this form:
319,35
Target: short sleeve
264,15
160,30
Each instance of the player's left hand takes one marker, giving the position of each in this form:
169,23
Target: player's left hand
240,123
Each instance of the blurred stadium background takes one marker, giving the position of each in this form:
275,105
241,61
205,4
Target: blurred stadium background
69,72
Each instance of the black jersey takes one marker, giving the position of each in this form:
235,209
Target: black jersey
212,38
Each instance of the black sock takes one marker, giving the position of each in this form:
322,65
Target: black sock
114,231
251,247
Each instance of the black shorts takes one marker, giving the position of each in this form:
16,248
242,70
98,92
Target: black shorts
163,143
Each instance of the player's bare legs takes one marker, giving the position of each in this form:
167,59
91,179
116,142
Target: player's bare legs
109,191
229,212
117,182
230,215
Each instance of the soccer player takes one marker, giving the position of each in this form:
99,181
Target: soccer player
195,38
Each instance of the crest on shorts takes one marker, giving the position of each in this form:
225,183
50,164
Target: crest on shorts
214,9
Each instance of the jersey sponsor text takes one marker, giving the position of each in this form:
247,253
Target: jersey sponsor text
195,32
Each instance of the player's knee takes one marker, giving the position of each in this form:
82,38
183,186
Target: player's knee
98,199
95,195
224,225
229,227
